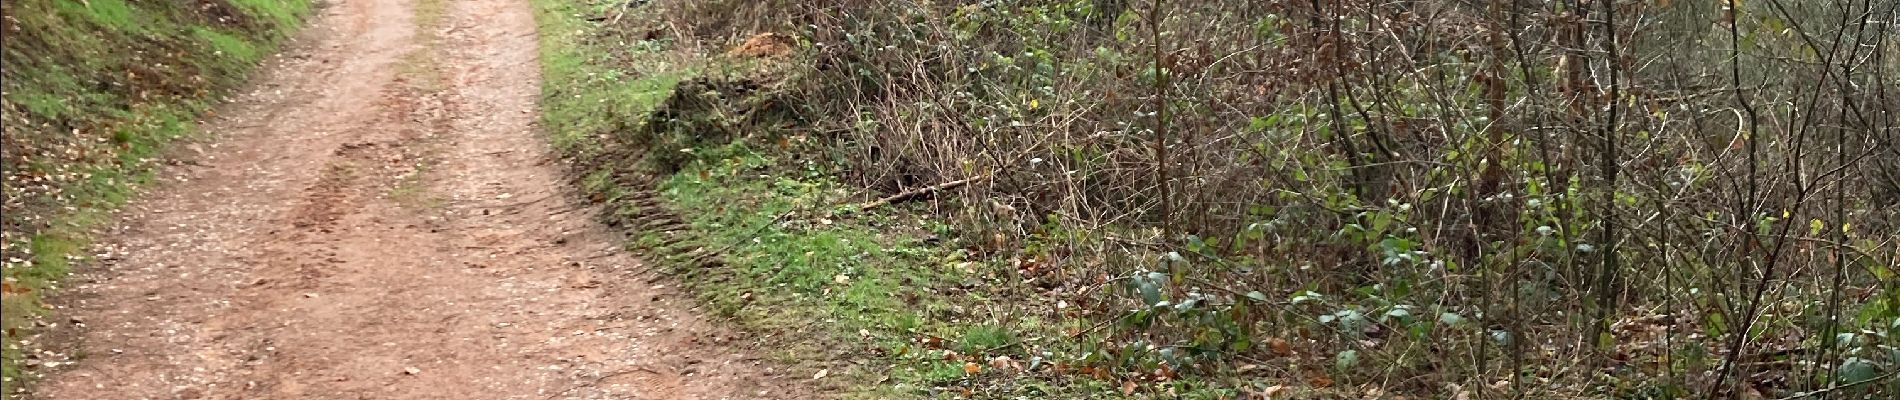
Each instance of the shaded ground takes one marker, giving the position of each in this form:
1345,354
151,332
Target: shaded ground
380,219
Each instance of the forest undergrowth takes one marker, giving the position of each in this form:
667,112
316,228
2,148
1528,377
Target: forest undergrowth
1234,199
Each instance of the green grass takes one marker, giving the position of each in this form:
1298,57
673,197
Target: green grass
582,94
70,78
790,265
113,15
858,293
227,45
849,287
280,13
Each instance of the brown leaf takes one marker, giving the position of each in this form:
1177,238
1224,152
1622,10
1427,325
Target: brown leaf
1319,380
10,288
1128,387
972,368
1002,363
1280,346
1274,391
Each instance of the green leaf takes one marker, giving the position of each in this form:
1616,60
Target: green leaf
1451,318
1307,296
1257,296
1150,293
1845,338
1856,369
1258,124
1401,312
1347,359
1501,338
1350,320
1187,305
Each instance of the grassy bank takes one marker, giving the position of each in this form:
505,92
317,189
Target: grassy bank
1228,198
92,91
727,206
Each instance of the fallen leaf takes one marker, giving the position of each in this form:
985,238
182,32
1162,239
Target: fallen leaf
1280,346
1320,380
972,368
1274,391
1128,387
821,374
1002,363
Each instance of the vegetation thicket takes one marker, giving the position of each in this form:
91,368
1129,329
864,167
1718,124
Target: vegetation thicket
1218,198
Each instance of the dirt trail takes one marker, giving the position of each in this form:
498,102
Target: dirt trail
380,220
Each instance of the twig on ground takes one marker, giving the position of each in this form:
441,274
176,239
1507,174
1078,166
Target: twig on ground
920,192
1830,389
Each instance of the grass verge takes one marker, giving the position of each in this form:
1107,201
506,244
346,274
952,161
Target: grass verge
93,91
758,235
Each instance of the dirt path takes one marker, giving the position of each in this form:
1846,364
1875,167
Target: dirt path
381,220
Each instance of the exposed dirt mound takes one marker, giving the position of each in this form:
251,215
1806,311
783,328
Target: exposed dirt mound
710,110
764,45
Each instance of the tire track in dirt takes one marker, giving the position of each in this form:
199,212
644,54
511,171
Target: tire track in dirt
371,229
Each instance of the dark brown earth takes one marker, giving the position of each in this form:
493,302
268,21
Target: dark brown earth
380,219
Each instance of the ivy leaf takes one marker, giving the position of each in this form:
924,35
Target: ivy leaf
1306,296
1856,369
1451,318
1502,338
1347,359
1401,312
1257,296
1150,291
